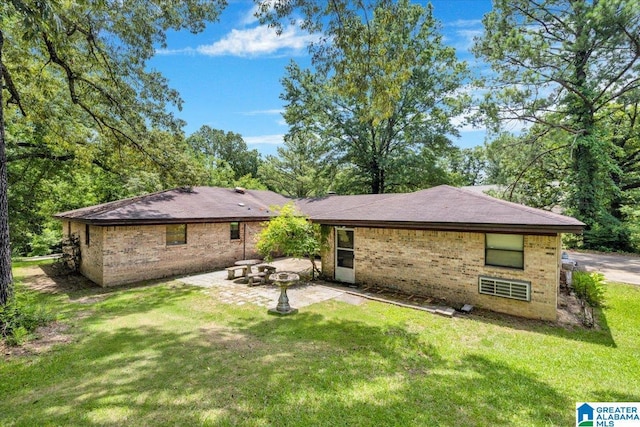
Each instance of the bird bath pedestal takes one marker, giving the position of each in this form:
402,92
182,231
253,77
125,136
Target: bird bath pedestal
283,280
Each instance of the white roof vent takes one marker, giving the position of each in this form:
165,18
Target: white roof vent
240,190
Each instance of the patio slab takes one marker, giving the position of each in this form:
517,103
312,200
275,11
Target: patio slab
238,293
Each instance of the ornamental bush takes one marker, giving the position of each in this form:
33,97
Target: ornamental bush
290,234
589,287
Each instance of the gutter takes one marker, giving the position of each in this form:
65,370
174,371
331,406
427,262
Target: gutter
542,229
159,221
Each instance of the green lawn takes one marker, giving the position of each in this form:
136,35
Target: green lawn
168,354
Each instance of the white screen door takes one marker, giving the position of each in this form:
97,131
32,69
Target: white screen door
345,256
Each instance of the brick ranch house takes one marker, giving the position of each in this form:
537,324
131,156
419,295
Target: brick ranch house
168,233
444,242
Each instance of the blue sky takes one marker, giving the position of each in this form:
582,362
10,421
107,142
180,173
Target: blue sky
229,75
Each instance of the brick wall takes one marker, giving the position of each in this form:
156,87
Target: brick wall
129,254
91,259
448,264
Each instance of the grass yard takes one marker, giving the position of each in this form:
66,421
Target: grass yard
168,354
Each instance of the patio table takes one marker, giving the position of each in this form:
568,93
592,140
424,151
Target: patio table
247,264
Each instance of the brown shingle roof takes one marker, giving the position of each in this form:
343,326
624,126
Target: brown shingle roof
198,204
442,208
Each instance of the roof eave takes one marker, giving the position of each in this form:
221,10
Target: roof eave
469,227
160,221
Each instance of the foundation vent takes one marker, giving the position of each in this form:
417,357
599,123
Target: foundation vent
505,288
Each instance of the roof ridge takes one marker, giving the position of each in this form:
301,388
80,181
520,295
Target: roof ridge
536,211
104,207
347,208
262,204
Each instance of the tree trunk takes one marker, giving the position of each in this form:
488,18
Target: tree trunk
6,278
377,177
314,267
585,169
587,199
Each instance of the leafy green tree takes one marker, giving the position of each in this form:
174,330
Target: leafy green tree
384,85
291,234
530,168
221,174
621,122
467,166
303,167
559,64
87,61
214,145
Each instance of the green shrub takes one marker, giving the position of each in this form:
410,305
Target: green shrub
589,287
19,319
18,336
46,242
608,234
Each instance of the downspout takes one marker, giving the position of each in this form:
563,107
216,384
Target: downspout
244,241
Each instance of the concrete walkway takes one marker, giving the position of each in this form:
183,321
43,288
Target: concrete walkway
238,293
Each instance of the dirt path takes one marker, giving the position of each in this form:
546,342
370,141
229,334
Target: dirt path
616,268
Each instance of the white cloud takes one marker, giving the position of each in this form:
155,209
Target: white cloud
257,41
183,51
464,23
272,112
460,33
463,124
251,42
465,39
250,16
264,139
263,112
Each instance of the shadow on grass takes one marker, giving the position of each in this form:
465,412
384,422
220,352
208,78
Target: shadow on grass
307,371
131,298
80,289
260,370
612,396
600,336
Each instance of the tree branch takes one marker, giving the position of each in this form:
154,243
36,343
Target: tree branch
11,87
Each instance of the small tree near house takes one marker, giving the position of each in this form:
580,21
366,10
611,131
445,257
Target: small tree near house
291,234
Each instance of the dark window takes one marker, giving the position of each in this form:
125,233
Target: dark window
345,258
504,250
235,230
176,234
87,235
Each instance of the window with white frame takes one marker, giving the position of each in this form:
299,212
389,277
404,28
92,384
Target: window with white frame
504,250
